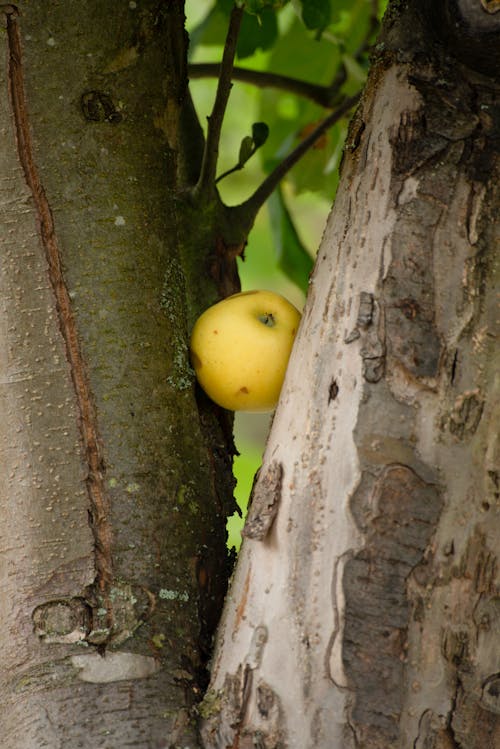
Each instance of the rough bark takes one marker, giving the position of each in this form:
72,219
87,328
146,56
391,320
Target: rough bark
113,491
364,613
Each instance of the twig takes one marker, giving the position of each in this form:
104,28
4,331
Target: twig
325,96
211,152
249,209
238,167
322,95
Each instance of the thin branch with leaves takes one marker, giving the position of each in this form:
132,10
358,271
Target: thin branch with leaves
323,95
211,152
328,96
249,146
247,211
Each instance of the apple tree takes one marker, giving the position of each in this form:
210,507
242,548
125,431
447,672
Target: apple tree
364,607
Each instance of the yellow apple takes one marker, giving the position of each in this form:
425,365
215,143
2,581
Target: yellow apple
240,349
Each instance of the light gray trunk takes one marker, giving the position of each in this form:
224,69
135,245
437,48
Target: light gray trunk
367,614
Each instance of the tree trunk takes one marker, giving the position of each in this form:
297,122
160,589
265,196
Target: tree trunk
113,491
364,610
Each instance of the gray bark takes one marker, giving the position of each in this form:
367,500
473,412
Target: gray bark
364,609
112,534
366,615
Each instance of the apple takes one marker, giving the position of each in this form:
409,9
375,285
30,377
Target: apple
240,349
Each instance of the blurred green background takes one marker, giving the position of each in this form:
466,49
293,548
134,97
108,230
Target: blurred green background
280,42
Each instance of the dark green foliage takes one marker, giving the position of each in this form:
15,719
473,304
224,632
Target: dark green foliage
259,30
251,143
248,146
246,150
316,14
323,43
292,256
260,133
257,6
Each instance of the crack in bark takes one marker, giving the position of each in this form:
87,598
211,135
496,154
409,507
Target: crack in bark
453,709
99,504
341,560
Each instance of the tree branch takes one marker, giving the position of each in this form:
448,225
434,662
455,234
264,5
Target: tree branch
247,211
238,167
211,152
322,95
325,96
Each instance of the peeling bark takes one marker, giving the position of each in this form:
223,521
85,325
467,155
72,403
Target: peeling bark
364,611
377,584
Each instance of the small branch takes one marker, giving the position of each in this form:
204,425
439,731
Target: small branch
322,95
233,169
249,209
211,152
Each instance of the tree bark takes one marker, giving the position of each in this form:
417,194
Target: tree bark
364,610
114,491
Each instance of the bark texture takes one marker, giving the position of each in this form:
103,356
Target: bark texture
365,614
113,561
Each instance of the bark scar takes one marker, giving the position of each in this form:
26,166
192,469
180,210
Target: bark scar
99,503
333,671
266,496
368,328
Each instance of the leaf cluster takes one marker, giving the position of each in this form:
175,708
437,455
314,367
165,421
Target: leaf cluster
307,58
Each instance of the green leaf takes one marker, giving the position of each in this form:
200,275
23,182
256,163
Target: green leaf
211,31
257,6
293,258
248,146
316,14
246,150
260,133
259,27
257,33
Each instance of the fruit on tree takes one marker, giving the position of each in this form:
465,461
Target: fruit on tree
240,349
